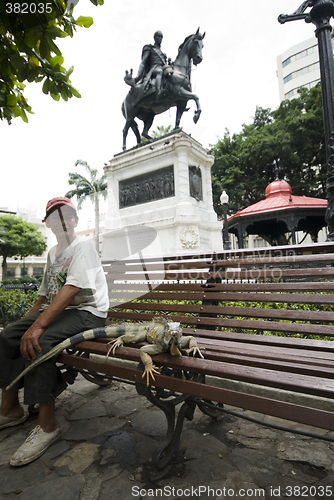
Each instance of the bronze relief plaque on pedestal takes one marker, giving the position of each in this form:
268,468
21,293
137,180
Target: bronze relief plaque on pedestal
144,188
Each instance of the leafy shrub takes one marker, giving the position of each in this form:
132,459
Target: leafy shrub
14,304
8,281
36,280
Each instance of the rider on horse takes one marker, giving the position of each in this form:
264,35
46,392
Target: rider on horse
160,85
152,66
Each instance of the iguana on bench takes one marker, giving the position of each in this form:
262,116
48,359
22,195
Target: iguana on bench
161,335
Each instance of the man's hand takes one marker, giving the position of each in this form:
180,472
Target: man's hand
29,342
129,80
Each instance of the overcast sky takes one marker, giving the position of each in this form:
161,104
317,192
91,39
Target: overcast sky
237,74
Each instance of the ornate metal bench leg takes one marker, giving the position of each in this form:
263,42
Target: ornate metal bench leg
162,458
166,406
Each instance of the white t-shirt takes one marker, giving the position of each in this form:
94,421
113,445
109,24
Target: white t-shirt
80,266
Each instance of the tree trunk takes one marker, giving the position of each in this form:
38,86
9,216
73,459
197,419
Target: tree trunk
4,266
97,223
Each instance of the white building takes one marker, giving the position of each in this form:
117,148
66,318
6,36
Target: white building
298,67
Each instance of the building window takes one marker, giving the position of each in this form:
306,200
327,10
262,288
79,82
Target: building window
10,272
299,55
287,78
301,72
38,271
290,94
294,91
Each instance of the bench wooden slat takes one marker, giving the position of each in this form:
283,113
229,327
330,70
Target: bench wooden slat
200,295
264,340
286,365
276,273
244,287
252,274
278,352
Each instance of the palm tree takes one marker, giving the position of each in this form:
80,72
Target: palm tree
92,188
161,131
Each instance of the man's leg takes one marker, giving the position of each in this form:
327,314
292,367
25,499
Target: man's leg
11,364
10,406
45,382
11,412
46,417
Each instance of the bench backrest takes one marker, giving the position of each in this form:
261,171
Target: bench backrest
286,290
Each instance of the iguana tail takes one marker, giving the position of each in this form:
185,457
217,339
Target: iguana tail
95,333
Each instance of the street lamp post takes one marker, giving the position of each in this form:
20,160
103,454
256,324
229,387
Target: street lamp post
224,202
320,14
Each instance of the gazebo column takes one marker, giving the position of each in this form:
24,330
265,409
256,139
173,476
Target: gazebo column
292,225
293,236
241,235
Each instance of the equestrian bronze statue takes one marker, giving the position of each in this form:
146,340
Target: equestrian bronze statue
161,84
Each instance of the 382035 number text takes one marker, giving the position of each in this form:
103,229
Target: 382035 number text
28,8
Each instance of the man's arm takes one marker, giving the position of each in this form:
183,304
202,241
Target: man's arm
143,64
29,341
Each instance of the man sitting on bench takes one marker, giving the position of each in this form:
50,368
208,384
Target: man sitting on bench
73,297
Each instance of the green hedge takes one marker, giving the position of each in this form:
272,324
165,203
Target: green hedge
14,304
22,281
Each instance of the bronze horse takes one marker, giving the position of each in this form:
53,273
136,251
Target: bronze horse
141,101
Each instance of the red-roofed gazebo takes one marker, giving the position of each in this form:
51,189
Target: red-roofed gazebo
279,216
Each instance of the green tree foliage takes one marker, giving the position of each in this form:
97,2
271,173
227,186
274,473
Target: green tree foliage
19,239
91,188
291,136
160,131
28,52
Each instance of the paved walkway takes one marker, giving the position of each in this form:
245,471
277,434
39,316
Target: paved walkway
110,433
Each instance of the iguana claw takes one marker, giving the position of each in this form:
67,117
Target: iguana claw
149,369
194,351
113,346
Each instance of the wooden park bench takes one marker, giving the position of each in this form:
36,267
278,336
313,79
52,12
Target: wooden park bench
263,317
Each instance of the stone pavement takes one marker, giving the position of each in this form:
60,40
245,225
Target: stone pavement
110,433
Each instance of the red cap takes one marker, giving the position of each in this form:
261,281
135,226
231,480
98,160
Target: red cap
57,202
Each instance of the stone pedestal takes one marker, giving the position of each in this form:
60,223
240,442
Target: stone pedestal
164,185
